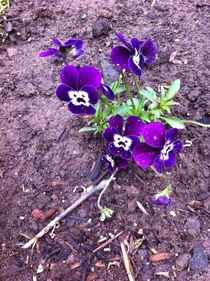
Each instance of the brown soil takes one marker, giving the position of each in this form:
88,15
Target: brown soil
43,157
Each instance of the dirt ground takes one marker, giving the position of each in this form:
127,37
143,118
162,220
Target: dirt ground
43,158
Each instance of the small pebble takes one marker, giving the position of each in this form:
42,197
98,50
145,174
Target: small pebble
192,225
11,52
199,261
83,16
152,15
182,261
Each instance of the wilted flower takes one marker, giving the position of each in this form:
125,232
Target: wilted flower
79,88
121,143
113,161
159,148
106,91
134,55
163,198
71,48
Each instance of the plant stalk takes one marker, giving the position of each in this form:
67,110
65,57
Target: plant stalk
127,89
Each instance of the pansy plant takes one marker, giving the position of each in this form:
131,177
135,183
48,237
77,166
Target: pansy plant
131,124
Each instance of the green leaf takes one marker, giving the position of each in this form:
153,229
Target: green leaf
174,122
144,115
119,90
173,90
162,92
149,94
122,110
87,129
156,112
169,103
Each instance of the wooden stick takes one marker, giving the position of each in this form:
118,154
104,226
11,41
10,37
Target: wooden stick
54,222
126,260
107,242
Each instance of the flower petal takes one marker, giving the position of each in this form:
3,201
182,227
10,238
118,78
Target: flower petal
109,134
92,93
78,54
62,92
122,39
119,151
120,56
171,134
107,91
134,63
117,122
135,140
121,163
77,43
162,200
158,164
177,146
168,163
69,75
134,126
154,134
49,52
136,45
144,155
81,109
89,75
149,51
56,42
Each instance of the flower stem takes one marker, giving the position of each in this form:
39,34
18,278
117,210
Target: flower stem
196,123
127,89
104,189
163,177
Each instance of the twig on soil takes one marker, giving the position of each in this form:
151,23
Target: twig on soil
53,223
126,260
141,207
107,242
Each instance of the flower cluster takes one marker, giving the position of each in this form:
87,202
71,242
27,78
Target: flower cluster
131,130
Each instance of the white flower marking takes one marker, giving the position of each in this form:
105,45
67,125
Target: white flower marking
136,59
120,141
79,98
109,158
165,151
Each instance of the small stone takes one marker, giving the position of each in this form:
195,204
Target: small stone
106,14
152,15
199,261
83,16
192,225
110,75
142,254
182,261
11,52
101,27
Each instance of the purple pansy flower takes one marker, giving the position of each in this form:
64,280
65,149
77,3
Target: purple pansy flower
79,88
106,91
72,48
163,198
159,148
113,161
121,143
134,55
